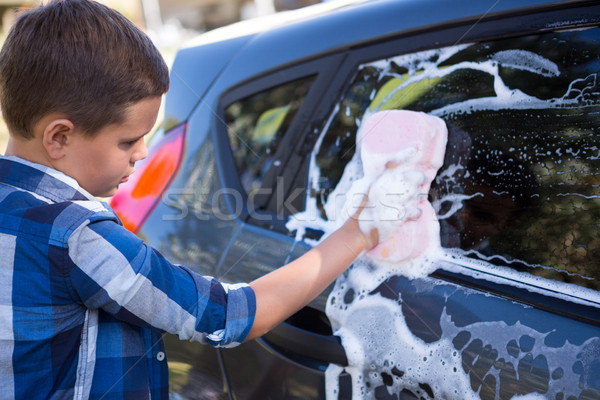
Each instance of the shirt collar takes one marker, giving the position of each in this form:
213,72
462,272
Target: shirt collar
40,179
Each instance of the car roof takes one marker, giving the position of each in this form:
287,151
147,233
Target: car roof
259,45
340,22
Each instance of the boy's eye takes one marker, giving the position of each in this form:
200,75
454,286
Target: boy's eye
130,143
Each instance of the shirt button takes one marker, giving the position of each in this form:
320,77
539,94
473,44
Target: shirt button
160,356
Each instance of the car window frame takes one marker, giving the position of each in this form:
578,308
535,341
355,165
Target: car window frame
323,69
493,27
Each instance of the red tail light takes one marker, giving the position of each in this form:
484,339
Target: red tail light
136,198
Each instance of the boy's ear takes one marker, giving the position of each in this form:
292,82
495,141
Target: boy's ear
56,136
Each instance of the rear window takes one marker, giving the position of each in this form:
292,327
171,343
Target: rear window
520,183
256,126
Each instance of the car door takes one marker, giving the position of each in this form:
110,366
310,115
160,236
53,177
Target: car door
264,137
512,305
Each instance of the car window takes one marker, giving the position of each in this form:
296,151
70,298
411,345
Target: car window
256,125
520,182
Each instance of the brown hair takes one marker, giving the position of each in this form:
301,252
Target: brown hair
78,58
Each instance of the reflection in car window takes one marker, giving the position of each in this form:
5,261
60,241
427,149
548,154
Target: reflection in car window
521,177
256,124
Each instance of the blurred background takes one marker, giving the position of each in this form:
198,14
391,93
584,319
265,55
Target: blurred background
168,22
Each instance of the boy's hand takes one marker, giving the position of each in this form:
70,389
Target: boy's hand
372,237
370,229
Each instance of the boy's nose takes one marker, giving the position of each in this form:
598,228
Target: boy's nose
141,152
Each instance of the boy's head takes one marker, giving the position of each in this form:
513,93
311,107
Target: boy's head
79,59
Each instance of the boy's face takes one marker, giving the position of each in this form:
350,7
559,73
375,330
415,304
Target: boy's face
101,163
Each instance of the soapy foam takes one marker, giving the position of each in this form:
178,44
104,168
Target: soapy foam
367,358
373,330
526,61
377,340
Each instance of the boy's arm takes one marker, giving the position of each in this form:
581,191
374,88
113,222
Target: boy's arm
284,291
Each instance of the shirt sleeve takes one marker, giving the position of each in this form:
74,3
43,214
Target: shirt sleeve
112,269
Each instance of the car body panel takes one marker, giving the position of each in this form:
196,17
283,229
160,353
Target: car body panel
185,226
187,85
504,347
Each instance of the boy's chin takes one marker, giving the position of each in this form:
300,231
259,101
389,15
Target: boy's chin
105,193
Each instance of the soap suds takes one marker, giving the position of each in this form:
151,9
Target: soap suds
367,358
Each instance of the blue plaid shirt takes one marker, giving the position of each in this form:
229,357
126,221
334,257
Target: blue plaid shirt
84,302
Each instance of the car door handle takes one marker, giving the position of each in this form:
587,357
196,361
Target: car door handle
287,338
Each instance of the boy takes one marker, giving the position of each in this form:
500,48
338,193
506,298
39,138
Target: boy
83,302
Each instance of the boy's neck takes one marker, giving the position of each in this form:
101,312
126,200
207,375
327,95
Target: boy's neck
30,150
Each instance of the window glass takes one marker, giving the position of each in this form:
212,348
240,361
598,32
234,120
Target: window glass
520,185
256,125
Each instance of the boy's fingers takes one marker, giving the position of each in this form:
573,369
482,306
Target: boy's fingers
373,238
359,207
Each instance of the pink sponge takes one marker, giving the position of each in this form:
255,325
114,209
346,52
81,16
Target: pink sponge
416,143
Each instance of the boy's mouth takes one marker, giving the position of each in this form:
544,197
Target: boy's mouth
126,177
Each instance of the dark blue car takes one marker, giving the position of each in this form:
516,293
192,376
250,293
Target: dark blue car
260,128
